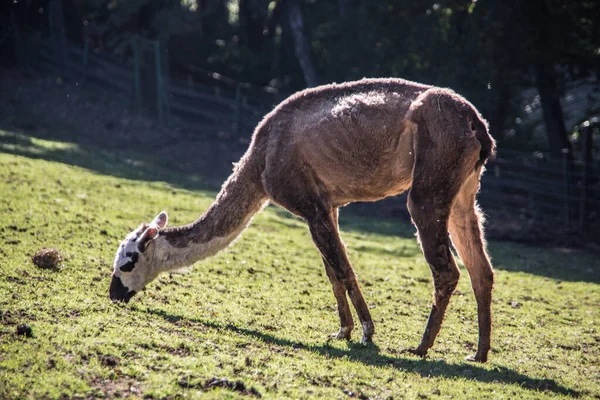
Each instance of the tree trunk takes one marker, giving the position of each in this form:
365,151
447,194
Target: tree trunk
251,25
301,45
56,22
558,137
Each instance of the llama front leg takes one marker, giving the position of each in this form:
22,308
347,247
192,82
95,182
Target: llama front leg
339,291
323,229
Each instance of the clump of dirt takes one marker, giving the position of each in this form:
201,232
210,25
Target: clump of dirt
24,330
48,259
109,361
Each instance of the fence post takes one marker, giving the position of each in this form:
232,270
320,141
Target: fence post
159,83
137,86
586,149
19,44
56,22
536,209
567,178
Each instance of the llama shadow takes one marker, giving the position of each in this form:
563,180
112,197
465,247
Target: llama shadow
370,355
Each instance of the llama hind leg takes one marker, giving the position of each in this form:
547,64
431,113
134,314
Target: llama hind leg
467,238
431,219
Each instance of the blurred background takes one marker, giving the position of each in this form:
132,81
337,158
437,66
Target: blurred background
183,83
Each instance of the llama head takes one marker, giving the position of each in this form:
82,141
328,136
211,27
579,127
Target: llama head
133,267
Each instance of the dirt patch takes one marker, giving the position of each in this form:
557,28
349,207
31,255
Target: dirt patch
237,386
223,383
110,389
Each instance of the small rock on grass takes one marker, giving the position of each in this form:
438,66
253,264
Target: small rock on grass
47,259
24,330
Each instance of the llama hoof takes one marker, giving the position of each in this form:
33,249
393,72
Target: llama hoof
368,332
344,333
476,358
418,352
366,340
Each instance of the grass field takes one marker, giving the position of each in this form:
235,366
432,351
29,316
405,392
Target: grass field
253,321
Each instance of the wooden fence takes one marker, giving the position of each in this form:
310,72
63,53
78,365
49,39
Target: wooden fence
236,108
550,193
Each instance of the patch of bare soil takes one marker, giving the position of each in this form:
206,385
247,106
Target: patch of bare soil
224,383
114,388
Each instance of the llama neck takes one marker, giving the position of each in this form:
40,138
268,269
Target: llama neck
241,197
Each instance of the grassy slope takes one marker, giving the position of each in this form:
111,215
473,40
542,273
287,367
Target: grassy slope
260,311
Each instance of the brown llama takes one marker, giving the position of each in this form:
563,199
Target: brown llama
325,147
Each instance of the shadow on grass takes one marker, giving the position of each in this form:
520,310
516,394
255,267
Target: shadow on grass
120,163
371,355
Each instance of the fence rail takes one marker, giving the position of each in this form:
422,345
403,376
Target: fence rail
547,191
212,105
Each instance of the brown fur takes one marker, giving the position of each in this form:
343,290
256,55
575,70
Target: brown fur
362,141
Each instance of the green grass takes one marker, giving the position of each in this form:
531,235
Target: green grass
260,311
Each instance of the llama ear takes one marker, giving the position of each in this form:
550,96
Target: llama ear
143,226
151,231
147,236
161,220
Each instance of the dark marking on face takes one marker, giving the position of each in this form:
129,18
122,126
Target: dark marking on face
130,265
118,291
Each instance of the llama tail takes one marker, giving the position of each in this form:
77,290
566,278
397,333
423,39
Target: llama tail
488,144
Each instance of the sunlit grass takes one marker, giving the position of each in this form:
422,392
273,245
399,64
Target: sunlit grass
260,311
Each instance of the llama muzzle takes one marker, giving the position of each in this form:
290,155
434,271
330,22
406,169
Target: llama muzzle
119,292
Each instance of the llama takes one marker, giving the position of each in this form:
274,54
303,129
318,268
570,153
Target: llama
325,147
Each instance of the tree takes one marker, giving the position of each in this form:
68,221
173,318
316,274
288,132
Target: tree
554,42
301,44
